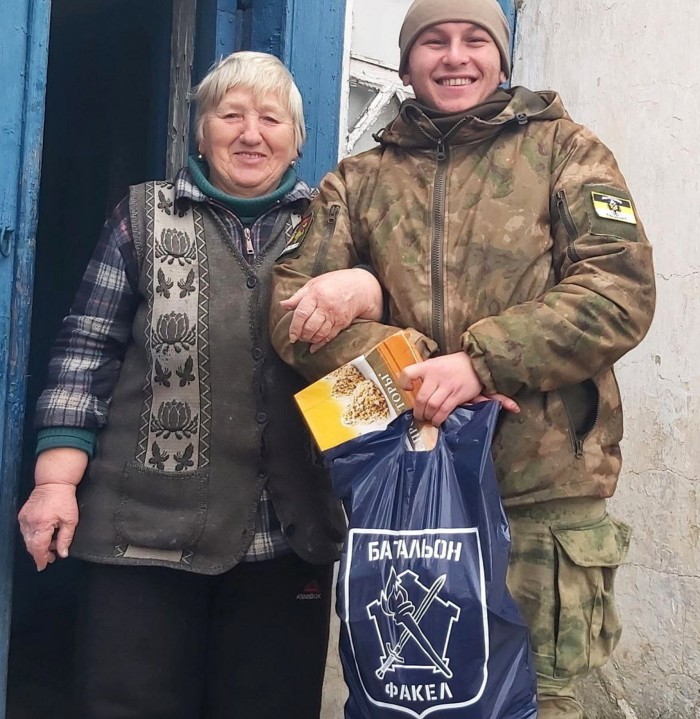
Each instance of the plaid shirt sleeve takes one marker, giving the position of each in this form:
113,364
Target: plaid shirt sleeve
87,355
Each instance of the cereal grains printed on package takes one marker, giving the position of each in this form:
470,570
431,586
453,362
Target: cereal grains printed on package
345,379
367,405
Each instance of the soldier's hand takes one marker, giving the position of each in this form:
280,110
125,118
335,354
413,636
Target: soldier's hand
508,404
446,382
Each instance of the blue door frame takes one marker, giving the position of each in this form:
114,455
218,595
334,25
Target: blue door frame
509,10
23,76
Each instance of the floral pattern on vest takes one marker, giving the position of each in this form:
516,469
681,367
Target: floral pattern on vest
176,417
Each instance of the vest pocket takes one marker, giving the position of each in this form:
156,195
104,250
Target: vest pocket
588,626
161,510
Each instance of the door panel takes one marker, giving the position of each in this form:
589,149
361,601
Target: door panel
106,128
23,54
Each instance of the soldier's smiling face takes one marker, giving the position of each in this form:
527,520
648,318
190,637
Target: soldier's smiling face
454,66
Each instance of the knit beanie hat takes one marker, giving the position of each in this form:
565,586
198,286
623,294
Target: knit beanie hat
424,13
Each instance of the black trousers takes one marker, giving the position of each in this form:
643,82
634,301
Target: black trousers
157,643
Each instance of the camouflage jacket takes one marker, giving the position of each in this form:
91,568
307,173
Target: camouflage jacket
513,239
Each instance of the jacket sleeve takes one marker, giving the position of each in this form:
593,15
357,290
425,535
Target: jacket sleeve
332,241
88,352
603,301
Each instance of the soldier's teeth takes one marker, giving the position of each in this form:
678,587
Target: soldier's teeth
456,81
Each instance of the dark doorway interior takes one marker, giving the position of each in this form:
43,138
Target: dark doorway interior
106,119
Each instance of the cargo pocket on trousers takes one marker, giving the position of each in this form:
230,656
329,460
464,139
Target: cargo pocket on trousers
588,623
161,510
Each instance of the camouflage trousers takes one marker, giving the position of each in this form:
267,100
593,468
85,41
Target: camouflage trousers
564,557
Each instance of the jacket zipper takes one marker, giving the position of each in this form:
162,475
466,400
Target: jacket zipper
577,440
437,248
569,225
322,253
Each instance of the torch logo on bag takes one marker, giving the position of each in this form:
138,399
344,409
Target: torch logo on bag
416,650
396,604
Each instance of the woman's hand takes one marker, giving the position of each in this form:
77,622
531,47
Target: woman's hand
446,382
327,304
52,508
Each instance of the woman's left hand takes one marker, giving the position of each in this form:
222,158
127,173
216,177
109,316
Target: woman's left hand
329,303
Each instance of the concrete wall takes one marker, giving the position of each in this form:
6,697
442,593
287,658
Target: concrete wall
628,70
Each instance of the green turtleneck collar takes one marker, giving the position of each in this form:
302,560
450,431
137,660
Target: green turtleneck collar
247,209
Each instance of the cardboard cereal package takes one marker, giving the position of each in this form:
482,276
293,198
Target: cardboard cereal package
363,396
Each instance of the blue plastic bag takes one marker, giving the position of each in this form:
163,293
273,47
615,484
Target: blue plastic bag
428,627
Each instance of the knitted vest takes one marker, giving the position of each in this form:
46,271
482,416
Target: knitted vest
202,417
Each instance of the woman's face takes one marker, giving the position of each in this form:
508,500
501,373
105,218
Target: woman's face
248,143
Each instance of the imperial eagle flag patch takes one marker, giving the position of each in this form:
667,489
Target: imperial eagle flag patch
428,629
613,208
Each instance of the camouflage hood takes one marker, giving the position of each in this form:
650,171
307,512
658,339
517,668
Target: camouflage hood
412,128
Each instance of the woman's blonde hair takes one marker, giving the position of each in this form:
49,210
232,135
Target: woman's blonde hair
254,71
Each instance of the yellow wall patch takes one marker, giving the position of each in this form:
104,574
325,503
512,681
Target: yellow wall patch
613,208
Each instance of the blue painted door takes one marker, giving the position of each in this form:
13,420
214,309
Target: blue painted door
313,51
509,10
23,58
105,128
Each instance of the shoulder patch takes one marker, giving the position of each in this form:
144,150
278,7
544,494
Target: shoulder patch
297,235
611,207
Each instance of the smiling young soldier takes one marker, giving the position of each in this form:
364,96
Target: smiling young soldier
506,242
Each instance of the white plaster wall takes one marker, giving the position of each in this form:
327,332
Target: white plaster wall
628,69
375,29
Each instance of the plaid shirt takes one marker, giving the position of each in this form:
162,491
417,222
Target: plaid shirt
93,339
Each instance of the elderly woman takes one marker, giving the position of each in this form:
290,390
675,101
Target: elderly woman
208,532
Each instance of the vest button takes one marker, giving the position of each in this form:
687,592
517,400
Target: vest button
258,353
262,473
251,282
289,530
261,417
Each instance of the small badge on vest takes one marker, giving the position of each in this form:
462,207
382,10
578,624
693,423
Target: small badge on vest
296,238
613,208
